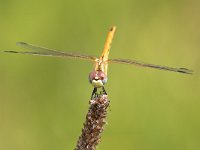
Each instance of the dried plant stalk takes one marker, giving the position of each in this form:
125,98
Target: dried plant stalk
93,126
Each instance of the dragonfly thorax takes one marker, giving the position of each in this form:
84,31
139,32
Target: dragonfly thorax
97,78
99,65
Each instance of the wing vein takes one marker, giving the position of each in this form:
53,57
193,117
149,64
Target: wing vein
142,64
42,51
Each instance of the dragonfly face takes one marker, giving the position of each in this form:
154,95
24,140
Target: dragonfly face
98,78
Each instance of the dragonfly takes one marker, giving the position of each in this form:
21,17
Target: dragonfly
98,77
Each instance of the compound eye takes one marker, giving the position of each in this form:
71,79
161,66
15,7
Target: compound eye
101,75
97,75
92,76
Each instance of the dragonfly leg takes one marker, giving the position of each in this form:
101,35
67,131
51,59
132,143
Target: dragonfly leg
94,93
103,91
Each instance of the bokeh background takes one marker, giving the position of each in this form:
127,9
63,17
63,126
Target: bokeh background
43,100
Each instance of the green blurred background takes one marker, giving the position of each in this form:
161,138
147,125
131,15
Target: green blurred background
43,100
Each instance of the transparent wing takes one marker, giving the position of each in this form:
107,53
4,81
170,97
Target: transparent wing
138,63
42,51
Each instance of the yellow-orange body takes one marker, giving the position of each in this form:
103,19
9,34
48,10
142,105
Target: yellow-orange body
102,63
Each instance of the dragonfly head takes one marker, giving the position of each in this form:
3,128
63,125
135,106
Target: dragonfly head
97,78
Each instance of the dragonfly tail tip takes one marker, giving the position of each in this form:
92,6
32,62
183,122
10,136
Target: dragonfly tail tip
112,28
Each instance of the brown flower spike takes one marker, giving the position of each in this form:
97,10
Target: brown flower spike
94,124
